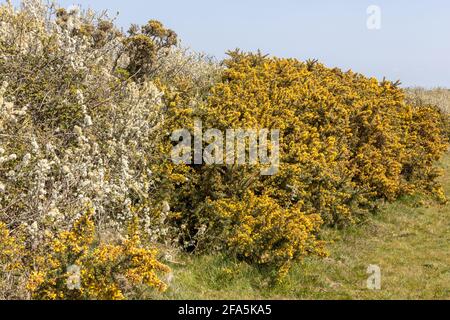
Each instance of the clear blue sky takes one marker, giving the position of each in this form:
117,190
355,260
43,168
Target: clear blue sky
413,44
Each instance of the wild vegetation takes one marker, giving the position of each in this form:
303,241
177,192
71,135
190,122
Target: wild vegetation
92,205
408,239
438,97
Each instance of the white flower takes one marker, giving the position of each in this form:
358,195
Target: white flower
9,106
85,183
66,169
2,188
49,147
202,230
80,96
44,165
34,145
54,213
21,112
33,228
4,87
78,130
87,121
165,207
26,159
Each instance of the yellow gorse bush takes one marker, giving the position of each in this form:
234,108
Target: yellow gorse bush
347,142
105,269
12,267
261,232
10,249
73,265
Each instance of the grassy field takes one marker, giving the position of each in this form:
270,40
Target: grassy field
408,239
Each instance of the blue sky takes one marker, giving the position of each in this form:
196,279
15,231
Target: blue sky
412,45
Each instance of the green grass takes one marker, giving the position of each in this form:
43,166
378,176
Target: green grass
408,239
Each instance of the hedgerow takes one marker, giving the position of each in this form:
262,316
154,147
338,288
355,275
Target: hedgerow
77,128
348,142
86,116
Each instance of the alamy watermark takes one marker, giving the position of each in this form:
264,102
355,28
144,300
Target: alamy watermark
374,17
229,147
374,280
73,281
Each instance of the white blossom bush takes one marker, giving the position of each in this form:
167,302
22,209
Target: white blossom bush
78,126
107,166
80,130
46,62
196,71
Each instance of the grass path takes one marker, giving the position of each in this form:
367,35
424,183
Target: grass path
409,240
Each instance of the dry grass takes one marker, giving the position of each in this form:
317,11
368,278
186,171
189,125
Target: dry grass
438,96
